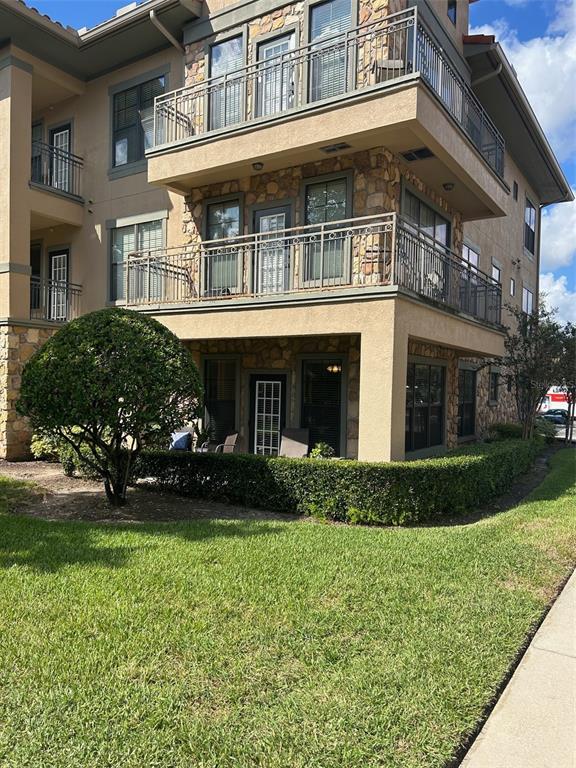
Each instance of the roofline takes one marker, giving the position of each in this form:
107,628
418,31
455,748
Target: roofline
526,113
107,27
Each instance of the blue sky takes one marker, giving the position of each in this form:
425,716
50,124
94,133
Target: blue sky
539,38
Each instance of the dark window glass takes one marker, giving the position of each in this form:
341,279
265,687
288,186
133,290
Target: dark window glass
220,398
452,10
226,94
527,301
133,121
515,190
426,220
322,400
493,389
530,227
425,391
466,403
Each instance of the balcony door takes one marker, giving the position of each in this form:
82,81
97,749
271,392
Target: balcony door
61,142
326,250
272,252
275,76
227,83
329,22
58,285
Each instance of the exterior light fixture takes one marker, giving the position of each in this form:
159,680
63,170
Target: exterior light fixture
334,368
448,186
258,166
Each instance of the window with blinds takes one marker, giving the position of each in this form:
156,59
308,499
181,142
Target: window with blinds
143,278
133,121
425,398
226,93
220,398
466,403
329,22
321,402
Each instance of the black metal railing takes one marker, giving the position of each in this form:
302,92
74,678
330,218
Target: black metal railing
369,251
56,169
54,300
368,56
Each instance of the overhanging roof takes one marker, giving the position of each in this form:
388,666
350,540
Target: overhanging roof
109,45
496,85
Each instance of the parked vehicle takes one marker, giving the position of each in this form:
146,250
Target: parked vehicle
556,416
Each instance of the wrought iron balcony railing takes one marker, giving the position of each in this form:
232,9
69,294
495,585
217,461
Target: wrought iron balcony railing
56,169
367,57
54,300
353,254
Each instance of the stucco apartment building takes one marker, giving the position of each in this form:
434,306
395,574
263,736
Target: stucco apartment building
329,201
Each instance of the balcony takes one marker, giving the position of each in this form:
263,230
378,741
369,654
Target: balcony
56,170
357,257
56,301
384,55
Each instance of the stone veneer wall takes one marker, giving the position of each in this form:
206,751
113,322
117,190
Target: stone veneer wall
291,15
504,410
282,355
17,344
377,188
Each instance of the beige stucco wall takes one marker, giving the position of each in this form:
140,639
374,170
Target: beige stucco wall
501,240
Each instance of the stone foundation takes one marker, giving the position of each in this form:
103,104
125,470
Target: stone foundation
282,355
17,344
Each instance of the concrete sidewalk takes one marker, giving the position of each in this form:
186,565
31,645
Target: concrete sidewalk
534,722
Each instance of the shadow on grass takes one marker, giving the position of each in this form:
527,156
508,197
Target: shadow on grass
48,546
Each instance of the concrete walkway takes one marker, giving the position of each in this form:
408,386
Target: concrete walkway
534,722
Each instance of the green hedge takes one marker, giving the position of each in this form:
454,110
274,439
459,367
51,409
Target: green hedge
397,493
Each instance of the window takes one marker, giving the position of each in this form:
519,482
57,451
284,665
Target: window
328,67
321,402
493,386
512,287
276,77
452,10
527,301
223,264
425,218
425,396
141,281
515,190
496,274
220,398
226,102
470,256
530,227
466,402
133,121
325,202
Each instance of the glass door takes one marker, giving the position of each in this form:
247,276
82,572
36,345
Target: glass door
267,413
60,141
225,95
272,267
329,22
58,285
326,250
275,76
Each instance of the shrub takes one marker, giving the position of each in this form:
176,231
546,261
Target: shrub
322,451
545,429
396,493
501,431
105,386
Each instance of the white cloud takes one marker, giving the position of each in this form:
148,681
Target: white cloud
558,296
546,69
558,235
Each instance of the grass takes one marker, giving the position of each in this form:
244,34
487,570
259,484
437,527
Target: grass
220,644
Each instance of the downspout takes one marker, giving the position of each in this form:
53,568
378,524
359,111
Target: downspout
489,76
168,35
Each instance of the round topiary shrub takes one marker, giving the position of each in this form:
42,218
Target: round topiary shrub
109,384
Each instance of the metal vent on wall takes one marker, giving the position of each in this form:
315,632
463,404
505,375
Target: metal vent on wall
417,154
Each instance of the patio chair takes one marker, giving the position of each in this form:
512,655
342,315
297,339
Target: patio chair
294,443
228,446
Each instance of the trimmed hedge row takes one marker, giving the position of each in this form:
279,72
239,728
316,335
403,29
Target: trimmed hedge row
396,493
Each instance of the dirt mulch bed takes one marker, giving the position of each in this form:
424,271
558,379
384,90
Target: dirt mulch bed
59,497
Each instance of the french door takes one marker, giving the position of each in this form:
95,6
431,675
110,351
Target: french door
267,413
272,253
275,76
60,141
58,285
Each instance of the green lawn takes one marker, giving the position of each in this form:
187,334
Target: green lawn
233,644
